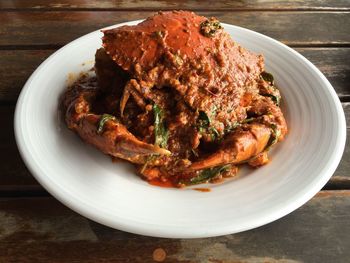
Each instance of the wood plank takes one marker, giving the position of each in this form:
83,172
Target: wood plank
43,230
18,65
341,177
14,176
333,64
169,5
16,68
58,28
13,172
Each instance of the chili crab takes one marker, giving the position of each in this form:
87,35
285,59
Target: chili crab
176,96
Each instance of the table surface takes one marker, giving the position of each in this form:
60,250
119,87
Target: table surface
34,227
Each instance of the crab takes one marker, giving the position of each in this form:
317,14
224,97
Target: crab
179,98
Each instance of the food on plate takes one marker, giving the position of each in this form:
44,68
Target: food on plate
176,96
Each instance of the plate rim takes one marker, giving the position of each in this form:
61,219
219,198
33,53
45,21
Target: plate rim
83,209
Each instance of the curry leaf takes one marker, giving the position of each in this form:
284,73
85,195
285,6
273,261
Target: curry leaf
149,159
210,26
159,34
178,60
248,120
195,153
275,134
231,127
102,122
267,77
214,133
204,126
161,134
208,174
204,120
276,99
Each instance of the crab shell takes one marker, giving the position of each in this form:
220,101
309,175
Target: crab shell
179,32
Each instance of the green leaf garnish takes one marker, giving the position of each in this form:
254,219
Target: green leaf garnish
103,120
159,34
210,27
276,99
161,134
213,110
149,159
195,153
214,133
178,60
231,127
248,120
276,133
207,174
204,120
267,77
204,126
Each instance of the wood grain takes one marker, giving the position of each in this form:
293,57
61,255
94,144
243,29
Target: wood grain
18,65
334,65
169,5
14,176
16,68
43,230
13,172
23,29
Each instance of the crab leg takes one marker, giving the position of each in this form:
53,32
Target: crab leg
249,140
114,139
238,147
131,88
270,113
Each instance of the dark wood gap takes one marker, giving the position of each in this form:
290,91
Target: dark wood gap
344,98
320,45
337,184
32,193
8,103
23,191
31,47
76,9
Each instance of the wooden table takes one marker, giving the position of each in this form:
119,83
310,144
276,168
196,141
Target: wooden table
34,227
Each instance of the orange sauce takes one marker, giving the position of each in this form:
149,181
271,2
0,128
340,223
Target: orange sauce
160,183
202,189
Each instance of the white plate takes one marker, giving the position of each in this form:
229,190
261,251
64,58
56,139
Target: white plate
110,193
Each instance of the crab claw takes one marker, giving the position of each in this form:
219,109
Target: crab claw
238,147
116,140
112,137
